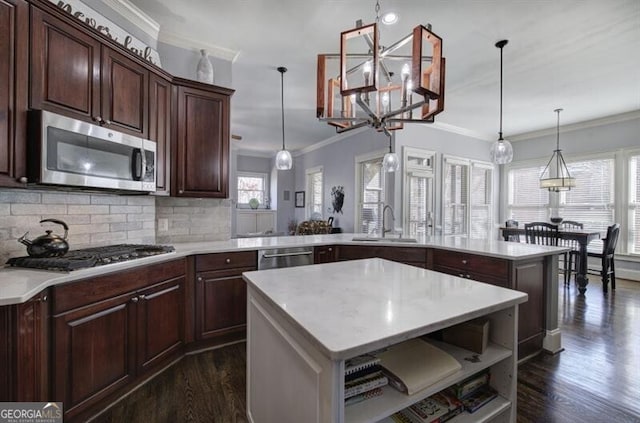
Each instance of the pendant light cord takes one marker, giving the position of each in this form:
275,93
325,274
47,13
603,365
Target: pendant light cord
500,45
282,70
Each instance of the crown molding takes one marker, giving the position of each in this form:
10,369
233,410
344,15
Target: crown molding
461,131
137,17
328,141
187,43
254,153
607,120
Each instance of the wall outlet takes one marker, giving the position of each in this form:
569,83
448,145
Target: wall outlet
163,225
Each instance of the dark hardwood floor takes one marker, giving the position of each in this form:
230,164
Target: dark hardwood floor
595,380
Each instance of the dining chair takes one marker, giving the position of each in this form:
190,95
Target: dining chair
608,267
541,233
570,259
512,224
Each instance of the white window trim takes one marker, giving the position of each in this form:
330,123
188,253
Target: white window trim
410,170
262,175
308,172
378,154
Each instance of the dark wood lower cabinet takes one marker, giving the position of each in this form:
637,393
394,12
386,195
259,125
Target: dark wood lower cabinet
131,322
221,295
324,254
407,255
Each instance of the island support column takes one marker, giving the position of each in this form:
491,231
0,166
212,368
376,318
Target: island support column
552,341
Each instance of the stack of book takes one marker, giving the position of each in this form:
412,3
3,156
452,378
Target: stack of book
468,395
363,379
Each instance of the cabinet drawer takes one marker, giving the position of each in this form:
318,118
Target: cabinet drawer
494,267
87,291
473,276
412,255
221,261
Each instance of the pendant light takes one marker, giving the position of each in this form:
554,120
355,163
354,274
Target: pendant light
501,151
562,180
283,158
390,162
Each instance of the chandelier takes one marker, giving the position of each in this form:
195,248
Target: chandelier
561,179
382,87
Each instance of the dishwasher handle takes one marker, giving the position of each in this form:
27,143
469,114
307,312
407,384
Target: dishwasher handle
298,253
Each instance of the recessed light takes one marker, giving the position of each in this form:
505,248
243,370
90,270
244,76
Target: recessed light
389,18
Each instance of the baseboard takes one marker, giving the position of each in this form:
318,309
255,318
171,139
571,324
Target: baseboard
630,274
552,342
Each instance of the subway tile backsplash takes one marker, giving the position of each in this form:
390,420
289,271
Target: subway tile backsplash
97,219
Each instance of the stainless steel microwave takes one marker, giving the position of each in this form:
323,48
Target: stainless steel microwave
70,152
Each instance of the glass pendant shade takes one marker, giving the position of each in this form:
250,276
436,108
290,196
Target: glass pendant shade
501,152
390,162
284,160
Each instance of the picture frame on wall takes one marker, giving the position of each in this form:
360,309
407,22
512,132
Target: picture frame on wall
299,199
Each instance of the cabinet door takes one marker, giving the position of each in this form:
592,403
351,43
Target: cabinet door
265,221
246,223
65,68
14,38
160,128
324,254
93,354
160,322
221,303
125,88
202,162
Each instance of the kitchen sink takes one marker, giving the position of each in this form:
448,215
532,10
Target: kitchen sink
385,239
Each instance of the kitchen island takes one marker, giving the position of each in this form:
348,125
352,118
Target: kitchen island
303,323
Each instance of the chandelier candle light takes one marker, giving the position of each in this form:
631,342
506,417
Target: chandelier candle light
283,158
390,85
562,181
501,151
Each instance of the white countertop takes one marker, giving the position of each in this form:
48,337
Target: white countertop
17,285
349,308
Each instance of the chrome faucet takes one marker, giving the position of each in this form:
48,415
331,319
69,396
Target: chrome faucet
384,226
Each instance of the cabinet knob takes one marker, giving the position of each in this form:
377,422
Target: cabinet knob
461,275
134,300
181,191
464,261
228,261
199,278
142,297
23,179
97,119
44,298
106,122
468,276
330,249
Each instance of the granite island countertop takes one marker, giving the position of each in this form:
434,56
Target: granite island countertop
17,285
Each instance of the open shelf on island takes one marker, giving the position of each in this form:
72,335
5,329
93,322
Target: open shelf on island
392,400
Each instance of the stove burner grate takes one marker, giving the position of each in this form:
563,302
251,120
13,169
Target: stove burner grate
90,257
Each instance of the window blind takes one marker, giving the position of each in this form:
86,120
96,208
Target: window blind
251,186
372,196
455,195
634,204
315,192
419,211
481,202
526,202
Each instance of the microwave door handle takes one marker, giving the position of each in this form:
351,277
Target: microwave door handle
137,164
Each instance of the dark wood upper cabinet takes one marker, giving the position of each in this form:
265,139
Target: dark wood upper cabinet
14,61
160,129
74,74
201,162
125,91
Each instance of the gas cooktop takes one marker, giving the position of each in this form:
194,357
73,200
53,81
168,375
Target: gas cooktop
90,257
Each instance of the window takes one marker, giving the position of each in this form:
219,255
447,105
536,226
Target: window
634,204
314,192
252,185
418,191
592,200
467,198
371,195
455,196
481,200
526,202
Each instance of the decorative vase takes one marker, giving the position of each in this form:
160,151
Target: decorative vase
254,203
204,71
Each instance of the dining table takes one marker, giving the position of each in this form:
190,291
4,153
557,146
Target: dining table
582,236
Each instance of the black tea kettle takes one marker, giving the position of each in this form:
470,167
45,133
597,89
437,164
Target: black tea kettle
49,245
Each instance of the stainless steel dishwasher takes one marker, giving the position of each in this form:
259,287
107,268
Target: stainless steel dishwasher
284,257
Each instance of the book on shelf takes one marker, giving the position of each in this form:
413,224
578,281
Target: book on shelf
448,398
375,392
367,384
359,363
416,364
479,398
362,373
471,384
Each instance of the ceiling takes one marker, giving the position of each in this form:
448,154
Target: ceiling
581,55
